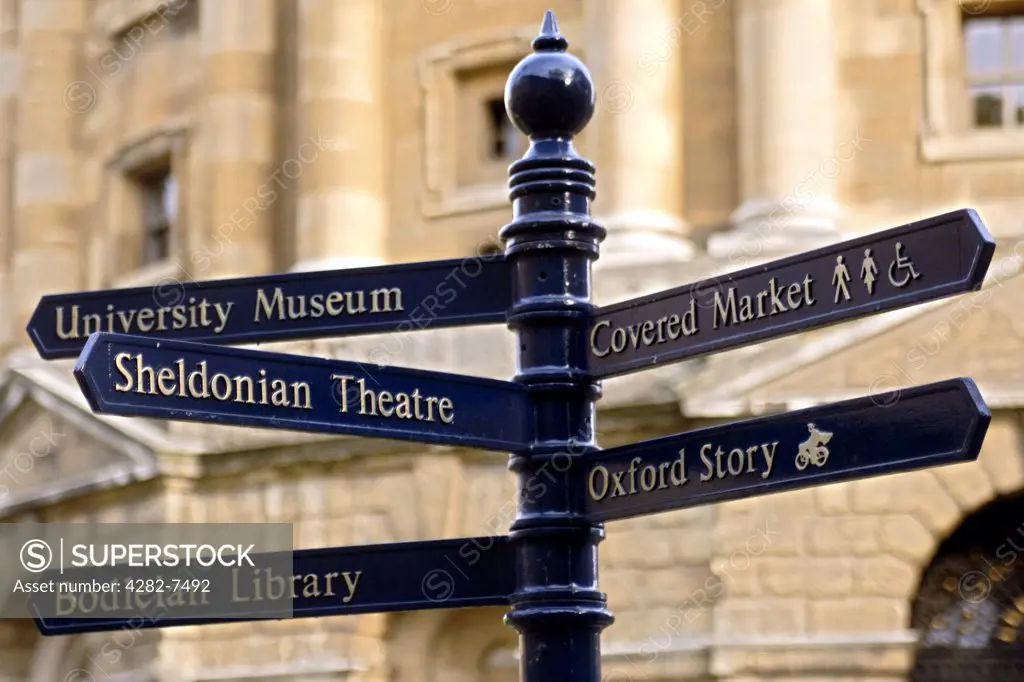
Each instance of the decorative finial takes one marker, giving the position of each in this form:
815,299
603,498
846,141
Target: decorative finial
549,39
550,93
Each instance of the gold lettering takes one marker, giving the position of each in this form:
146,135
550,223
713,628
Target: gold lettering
119,361
142,371
639,477
593,338
286,307
396,405
350,584
446,404
594,494
392,300
166,374
173,380
708,466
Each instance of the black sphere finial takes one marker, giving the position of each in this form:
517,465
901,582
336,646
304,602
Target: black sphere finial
550,93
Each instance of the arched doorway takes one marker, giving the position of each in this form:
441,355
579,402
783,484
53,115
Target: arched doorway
969,610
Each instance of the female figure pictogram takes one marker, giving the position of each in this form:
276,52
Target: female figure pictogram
869,271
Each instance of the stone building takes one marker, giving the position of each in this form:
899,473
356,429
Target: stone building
147,142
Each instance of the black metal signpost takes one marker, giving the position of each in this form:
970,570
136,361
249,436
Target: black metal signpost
146,361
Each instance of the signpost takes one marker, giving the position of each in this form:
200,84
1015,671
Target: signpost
406,576
932,425
546,568
446,293
141,377
923,261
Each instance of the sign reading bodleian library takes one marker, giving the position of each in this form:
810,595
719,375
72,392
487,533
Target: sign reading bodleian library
877,273
407,576
138,376
403,297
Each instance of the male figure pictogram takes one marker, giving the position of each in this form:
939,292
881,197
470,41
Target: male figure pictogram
840,277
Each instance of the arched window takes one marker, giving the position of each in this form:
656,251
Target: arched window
969,611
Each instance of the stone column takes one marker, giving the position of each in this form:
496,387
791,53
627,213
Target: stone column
9,80
634,53
342,206
48,248
786,81
237,137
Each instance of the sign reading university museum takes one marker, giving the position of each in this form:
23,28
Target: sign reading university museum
334,581
918,262
178,380
436,294
931,425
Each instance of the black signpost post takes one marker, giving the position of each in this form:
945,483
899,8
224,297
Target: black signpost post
171,360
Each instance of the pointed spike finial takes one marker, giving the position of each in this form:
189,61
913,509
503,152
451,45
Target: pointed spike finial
550,93
549,39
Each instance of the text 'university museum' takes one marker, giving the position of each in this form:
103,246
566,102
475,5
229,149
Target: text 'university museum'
150,143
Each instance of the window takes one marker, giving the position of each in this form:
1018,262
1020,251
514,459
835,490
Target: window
158,193
994,69
502,136
487,141
468,141
973,80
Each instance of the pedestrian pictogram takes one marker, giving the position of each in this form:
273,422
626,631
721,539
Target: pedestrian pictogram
839,279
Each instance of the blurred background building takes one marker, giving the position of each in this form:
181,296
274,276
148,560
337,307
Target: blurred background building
147,142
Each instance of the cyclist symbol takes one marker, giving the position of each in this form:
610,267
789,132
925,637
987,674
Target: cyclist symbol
813,450
902,263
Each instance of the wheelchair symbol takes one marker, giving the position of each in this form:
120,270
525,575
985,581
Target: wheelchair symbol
902,264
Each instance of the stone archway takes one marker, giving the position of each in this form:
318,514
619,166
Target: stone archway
969,611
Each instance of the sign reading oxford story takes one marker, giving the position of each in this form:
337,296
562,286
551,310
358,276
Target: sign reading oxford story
918,262
446,293
333,581
931,425
178,380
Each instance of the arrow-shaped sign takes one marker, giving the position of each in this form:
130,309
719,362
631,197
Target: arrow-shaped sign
311,583
142,377
925,426
918,262
445,293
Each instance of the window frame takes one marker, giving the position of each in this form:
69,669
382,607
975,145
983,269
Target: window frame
153,185
117,247
439,70
1006,79
948,133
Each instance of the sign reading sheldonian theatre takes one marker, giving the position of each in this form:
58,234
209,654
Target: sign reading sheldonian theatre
137,376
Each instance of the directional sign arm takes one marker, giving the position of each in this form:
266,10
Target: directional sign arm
311,583
403,297
142,377
925,426
922,261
